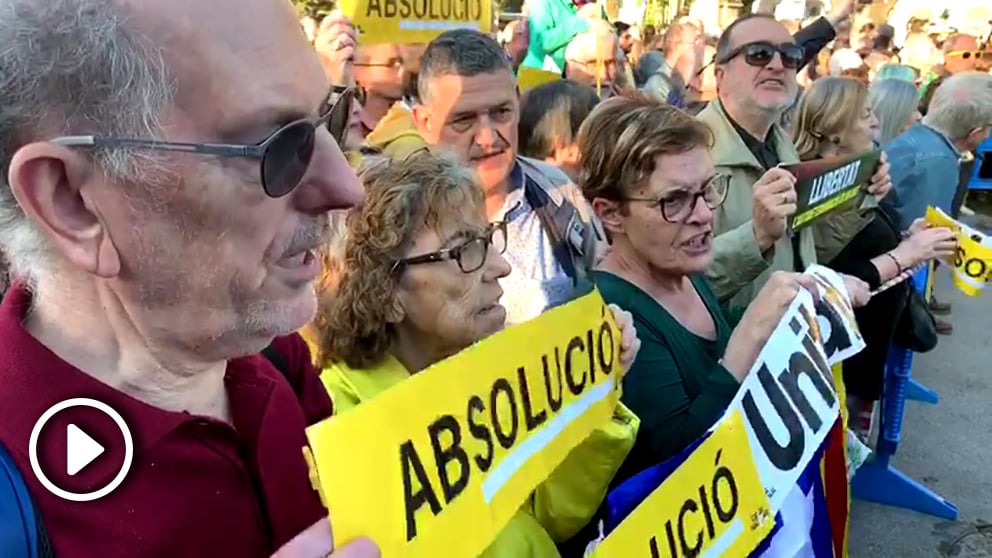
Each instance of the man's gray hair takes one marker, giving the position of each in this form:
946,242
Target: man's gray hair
71,67
962,103
463,52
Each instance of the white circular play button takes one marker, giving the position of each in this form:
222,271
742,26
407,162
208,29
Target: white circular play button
80,451
73,446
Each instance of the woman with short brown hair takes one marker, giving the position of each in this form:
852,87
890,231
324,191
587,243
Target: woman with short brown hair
650,179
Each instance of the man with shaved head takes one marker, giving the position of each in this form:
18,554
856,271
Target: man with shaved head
166,172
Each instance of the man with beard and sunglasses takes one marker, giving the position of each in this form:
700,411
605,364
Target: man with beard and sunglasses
756,64
161,200
469,106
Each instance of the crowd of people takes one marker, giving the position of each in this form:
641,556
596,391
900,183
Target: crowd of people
228,228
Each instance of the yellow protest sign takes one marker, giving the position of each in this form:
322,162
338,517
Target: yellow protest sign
439,463
712,505
415,21
529,78
973,261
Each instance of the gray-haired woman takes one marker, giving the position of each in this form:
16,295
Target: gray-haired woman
895,103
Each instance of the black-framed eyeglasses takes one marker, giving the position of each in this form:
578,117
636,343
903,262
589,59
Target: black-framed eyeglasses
285,155
678,205
760,54
470,255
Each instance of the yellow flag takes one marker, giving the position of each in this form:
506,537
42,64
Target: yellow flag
529,78
438,464
415,21
712,505
973,261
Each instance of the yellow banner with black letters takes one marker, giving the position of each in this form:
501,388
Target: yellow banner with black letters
973,261
712,505
415,21
438,464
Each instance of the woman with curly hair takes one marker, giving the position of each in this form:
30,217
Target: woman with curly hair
420,282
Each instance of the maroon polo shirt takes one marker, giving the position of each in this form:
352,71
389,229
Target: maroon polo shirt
197,486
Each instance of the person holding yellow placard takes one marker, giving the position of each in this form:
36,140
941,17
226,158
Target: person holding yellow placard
653,185
421,283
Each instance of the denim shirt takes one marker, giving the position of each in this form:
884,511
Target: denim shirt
924,170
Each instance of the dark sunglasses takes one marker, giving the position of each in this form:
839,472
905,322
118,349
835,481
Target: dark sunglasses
285,155
470,255
761,53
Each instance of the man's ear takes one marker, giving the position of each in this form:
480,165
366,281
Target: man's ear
609,214
53,186
421,118
977,136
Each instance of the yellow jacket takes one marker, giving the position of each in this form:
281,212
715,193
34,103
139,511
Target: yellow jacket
396,135
559,507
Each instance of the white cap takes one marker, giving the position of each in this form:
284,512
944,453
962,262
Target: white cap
844,59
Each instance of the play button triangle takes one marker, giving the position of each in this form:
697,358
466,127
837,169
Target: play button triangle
81,449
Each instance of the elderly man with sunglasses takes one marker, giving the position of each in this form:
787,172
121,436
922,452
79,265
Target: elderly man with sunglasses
162,198
756,64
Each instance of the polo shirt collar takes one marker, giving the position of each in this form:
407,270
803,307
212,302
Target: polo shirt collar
517,177
945,138
33,378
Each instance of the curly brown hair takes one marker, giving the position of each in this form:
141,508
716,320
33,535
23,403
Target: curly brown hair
623,136
402,197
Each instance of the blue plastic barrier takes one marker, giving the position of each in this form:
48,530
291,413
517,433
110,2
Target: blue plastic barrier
878,481
916,391
984,152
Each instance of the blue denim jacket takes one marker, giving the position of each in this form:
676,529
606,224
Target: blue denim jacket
924,170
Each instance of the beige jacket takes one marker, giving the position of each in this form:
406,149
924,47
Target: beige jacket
739,268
